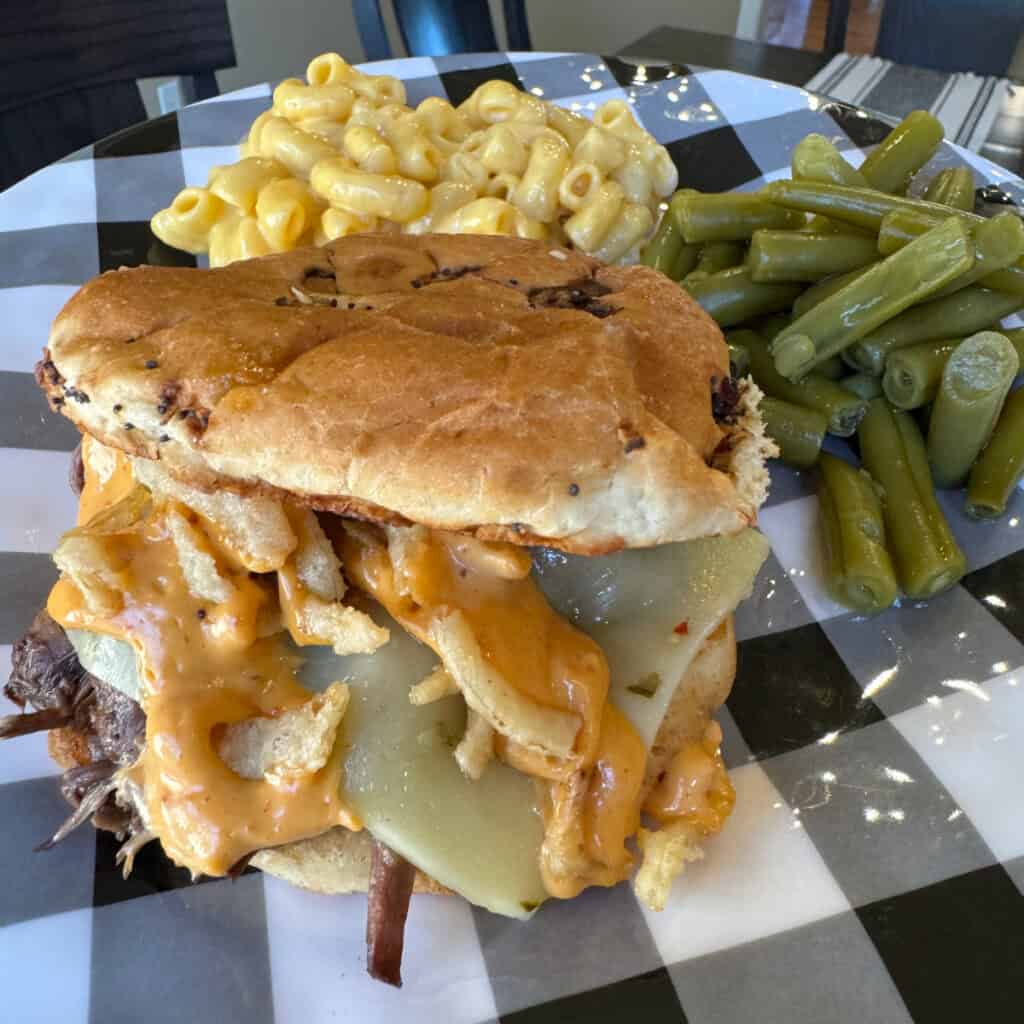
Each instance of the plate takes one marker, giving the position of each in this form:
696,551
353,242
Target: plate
874,865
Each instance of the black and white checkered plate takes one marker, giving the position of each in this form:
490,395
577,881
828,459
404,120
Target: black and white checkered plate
874,866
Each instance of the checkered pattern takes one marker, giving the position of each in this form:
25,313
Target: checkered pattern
874,865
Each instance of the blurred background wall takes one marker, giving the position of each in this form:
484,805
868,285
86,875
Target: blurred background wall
273,40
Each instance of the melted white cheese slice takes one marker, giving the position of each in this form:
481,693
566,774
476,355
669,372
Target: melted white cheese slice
632,603
483,838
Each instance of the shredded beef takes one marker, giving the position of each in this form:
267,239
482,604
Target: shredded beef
391,881
46,674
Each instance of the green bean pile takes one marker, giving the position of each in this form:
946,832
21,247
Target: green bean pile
864,312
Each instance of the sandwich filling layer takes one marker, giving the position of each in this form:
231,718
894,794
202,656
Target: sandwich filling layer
512,770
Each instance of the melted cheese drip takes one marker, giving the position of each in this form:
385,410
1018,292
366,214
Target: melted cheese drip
108,478
695,788
540,654
202,670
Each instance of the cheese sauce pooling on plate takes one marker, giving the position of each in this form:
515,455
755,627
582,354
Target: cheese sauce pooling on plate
596,791
203,667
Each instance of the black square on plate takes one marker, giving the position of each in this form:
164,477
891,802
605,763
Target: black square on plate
953,949
157,136
196,954
28,578
460,85
37,884
1000,587
861,130
152,872
26,420
713,161
566,933
792,688
625,71
652,994
132,243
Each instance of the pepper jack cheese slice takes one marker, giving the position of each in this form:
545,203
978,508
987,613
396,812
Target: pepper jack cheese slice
650,610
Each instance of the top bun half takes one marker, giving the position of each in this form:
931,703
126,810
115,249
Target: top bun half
497,386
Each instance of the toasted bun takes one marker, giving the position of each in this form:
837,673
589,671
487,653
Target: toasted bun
339,861
492,385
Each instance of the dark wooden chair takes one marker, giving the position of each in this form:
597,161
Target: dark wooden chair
70,69
947,35
431,28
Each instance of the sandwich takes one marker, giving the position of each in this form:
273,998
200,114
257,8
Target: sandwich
401,564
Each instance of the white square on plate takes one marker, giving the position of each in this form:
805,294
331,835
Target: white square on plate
761,876
250,92
38,504
974,742
524,56
587,102
199,159
29,951
318,968
792,527
27,314
63,193
405,68
742,98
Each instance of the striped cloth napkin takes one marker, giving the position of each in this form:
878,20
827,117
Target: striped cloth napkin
966,104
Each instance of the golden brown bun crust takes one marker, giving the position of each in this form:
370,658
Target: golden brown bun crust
454,392
339,861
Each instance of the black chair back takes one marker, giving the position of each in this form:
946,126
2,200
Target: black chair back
437,27
951,35
70,69
947,35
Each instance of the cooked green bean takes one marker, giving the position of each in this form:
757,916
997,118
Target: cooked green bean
862,384
717,256
815,158
728,216
900,227
923,548
823,289
832,368
1001,465
842,409
862,207
1009,279
903,152
1015,336
686,255
998,245
796,256
739,359
952,187
685,261
858,570
975,383
662,251
731,297
959,314
798,432
912,375
816,225
769,326
883,292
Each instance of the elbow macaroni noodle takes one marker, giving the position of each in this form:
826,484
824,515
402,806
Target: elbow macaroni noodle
341,153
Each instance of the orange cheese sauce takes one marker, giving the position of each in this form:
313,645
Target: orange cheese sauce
536,651
108,478
695,788
203,668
